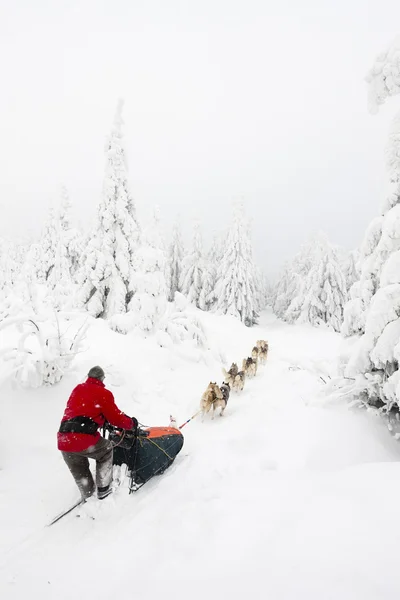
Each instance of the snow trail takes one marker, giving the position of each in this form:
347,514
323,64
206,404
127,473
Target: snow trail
277,498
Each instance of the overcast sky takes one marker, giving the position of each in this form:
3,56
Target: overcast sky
224,99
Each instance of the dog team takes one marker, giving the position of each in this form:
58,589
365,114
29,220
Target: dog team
216,396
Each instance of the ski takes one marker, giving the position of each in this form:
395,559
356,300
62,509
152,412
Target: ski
66,512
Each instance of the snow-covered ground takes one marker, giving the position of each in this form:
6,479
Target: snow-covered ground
288,496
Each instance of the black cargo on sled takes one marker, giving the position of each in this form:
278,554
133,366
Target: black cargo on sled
147,456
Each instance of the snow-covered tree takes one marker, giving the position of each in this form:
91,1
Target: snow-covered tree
48,245
363,289
59,281
263,289
191,277
289,292
236,286
45,349
313,287
208,298
350,268
180,325
149,302
374,363
106,276
175,255
72,238
324,289
281,298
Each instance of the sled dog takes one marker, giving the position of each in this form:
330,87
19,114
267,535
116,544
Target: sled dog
262,351
238,382
254,353
229,376
226,390
261,343
249,366
212,399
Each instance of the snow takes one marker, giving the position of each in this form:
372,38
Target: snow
313,288
106,270
285,497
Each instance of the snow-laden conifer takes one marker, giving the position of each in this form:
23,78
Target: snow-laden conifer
191,277
175,256
289,291
208,297
374,363
149,302
236,286
324,289
60,282
48,243
72,238
106,277
312,288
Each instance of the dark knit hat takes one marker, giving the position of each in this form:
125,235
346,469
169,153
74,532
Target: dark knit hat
97,373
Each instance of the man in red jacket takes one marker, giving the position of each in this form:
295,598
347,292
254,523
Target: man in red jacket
89,406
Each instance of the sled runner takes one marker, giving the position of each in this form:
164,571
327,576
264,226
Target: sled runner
146,455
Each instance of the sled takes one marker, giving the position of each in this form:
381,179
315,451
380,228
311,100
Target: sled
146,456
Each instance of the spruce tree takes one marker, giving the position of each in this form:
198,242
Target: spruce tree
149,302
48,244
72,238
191,277
175,256
236,287
106,277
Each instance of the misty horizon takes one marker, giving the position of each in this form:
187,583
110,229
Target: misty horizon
222,102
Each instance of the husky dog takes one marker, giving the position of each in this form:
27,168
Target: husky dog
238,382
249,366
229,376
226,390
255,353
262,351
212,399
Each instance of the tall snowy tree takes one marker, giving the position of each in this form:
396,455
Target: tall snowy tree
374,363
72,238
236,286
289,291
281,297
48,245
149,302
324,290
208,297
191,278
106,277
313,286
350,268
263,289
363,289
175,255
20,264
59,280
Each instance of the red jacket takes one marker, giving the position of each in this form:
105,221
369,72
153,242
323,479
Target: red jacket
90,399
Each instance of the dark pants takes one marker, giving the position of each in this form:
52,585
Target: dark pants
78,464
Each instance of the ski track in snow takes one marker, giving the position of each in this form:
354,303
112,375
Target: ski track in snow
281,498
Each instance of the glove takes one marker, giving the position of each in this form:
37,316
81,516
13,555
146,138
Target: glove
142,432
